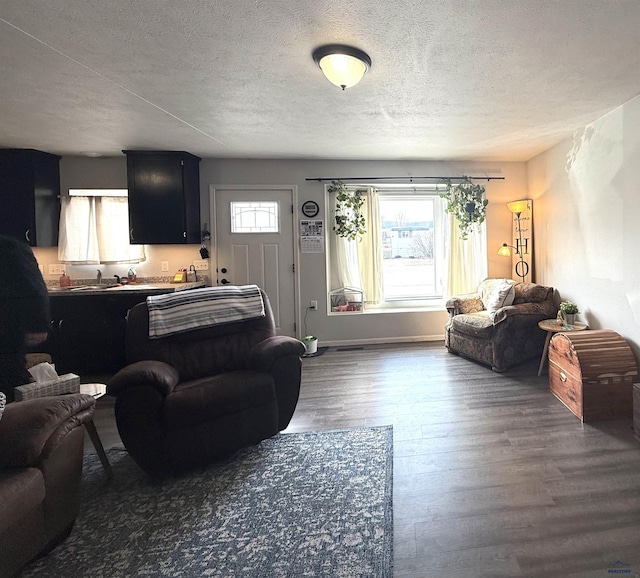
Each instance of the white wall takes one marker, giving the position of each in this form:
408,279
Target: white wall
587,220
79,172
379,327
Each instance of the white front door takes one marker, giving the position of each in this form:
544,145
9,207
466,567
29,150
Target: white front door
254,244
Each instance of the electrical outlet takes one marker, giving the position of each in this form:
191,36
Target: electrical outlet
165,265
56,269
201,265
313,304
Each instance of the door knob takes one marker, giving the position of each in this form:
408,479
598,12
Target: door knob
224,281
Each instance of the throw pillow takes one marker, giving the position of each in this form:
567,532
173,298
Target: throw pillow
3,401
487,288
502,296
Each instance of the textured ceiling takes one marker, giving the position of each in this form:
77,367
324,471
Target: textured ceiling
472,79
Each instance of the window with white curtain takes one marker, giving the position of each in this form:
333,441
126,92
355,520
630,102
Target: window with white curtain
94,228
410,255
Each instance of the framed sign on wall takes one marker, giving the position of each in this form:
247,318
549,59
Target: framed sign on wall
310,209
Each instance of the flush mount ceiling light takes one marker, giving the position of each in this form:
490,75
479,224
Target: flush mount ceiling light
344,66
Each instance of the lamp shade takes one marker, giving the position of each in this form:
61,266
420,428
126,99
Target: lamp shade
518,206
344,66
504,251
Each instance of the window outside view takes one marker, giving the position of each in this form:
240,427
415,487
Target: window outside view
408,247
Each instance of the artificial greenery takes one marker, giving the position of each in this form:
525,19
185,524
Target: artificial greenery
569,307
466,201
349,220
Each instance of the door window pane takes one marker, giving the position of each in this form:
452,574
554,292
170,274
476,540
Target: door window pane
254,217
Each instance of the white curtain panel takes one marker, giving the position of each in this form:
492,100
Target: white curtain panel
96,230
369,248
467,259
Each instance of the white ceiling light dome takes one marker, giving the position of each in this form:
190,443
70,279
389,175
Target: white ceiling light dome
343,65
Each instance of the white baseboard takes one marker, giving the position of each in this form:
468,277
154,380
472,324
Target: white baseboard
378,340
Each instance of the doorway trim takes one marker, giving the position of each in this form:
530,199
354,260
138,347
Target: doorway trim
293,189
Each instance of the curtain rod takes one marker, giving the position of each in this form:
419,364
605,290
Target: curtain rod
409,179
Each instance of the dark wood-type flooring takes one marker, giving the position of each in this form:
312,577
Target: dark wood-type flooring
493,476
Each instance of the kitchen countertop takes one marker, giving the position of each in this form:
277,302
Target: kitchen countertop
106,289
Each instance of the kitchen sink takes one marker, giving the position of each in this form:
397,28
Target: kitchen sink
91,287
132,287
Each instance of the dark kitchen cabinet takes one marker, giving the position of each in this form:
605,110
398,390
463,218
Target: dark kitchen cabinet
87,335
164,197
30,196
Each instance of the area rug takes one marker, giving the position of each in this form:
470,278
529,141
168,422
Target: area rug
315,504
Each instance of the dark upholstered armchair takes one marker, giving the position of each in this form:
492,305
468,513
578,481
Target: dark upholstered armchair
41,447
502,335
193,397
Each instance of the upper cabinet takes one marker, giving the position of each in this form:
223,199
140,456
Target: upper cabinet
30,196
164,197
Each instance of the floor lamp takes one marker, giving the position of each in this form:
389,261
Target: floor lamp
522,245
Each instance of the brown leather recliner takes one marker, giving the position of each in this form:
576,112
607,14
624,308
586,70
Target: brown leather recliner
41,446
190,398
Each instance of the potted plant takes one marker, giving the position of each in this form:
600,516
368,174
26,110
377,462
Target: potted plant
466,201
349,220
569,311
310,343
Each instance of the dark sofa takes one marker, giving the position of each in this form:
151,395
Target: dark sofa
41,447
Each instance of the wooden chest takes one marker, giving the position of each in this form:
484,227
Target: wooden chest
592,373
636,410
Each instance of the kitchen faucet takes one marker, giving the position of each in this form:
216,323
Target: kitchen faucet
99,277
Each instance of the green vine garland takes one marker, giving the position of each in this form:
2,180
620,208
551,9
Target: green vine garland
349,220
466,201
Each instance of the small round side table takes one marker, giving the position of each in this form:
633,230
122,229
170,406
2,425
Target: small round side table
97,390
552,326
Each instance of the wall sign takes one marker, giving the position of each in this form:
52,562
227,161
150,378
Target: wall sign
312,236
310,208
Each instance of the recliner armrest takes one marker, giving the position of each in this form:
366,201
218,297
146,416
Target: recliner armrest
158,374
544,308
30,430
469,303
265,353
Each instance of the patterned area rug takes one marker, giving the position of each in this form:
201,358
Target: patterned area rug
298,505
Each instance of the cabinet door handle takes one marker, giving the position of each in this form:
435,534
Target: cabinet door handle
184,234
563,376
26,235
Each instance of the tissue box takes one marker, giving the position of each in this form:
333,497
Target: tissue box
67,383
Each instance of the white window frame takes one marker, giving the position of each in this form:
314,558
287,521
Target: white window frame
434,302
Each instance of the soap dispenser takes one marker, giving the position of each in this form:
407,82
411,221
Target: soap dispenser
65,280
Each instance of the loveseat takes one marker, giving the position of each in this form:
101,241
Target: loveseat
41,447
189,398
497,326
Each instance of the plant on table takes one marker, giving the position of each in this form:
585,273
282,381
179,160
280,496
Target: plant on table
569,307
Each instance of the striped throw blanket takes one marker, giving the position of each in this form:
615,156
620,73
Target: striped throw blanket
197,308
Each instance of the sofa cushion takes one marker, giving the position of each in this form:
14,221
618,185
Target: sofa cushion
531,293
502,296
204,399
473,324
488,286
